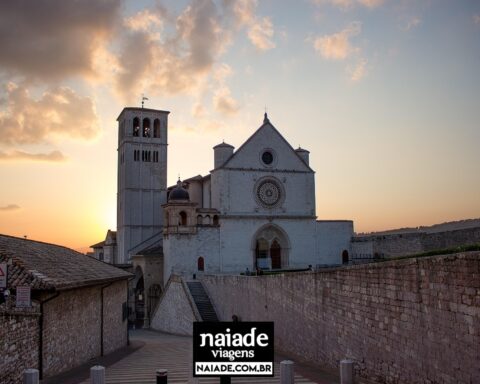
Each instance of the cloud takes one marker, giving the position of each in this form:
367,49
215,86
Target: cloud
10,207
174,59
346,5
224,102
412,23
359,71
337,46
260,34
244,11
260,31
370,3
476,19
54,156
144,20
48,39
198,111
59,111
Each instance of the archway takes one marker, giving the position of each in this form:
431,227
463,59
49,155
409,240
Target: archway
182,218
271,248
139,298
345,257
154,292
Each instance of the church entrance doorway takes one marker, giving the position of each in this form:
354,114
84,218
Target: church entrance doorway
276,255
271,248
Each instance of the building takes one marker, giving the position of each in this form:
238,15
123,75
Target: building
254,210
78,309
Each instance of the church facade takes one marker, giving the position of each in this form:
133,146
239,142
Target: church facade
255,210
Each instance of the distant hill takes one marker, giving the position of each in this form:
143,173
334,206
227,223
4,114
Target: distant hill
443,227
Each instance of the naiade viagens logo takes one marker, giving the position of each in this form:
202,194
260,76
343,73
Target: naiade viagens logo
233,349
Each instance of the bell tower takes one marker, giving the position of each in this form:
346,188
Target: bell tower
142,177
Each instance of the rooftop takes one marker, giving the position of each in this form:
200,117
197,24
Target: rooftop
45,266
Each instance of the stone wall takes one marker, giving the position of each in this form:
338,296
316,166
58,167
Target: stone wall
176,311
19,336
406,321
71,332
72,326
401,244
114,325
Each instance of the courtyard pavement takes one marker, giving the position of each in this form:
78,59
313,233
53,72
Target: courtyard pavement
151,350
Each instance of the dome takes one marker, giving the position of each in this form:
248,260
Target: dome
179,193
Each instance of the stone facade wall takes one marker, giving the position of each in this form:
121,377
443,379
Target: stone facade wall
405,321
71,333
72,326
19,337
400,244
332,237
175,313
114,325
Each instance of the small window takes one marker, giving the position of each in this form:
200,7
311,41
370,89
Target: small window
199,220
156,128
201,264
100,256
215,220
345,257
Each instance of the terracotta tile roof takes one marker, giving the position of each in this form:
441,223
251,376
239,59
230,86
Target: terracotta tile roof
48,266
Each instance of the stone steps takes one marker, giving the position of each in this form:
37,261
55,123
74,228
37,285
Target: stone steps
202,301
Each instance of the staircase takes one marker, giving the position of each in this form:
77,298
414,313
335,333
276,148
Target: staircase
202,301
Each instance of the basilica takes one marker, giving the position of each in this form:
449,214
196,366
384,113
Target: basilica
254,211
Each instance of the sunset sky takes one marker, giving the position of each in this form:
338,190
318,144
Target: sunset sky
385,94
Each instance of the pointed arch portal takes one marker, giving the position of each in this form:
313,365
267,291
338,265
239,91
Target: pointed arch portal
271,248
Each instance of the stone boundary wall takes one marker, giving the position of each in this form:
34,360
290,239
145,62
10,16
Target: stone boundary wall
403,321
19,337
115,330
176,311
72,326
401,244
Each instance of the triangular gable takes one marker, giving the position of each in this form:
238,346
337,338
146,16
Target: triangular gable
248,155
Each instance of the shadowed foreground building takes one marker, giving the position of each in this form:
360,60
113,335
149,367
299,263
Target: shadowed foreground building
78,311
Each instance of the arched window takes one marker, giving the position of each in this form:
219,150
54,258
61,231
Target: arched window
146,127
215,220
199,220
201,264
136,126
345,257
156,128
207,220
183,218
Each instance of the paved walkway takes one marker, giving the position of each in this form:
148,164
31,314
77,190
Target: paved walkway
174,353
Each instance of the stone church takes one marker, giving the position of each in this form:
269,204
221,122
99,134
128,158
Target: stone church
255,210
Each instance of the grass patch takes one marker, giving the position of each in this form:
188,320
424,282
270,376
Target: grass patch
438,252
